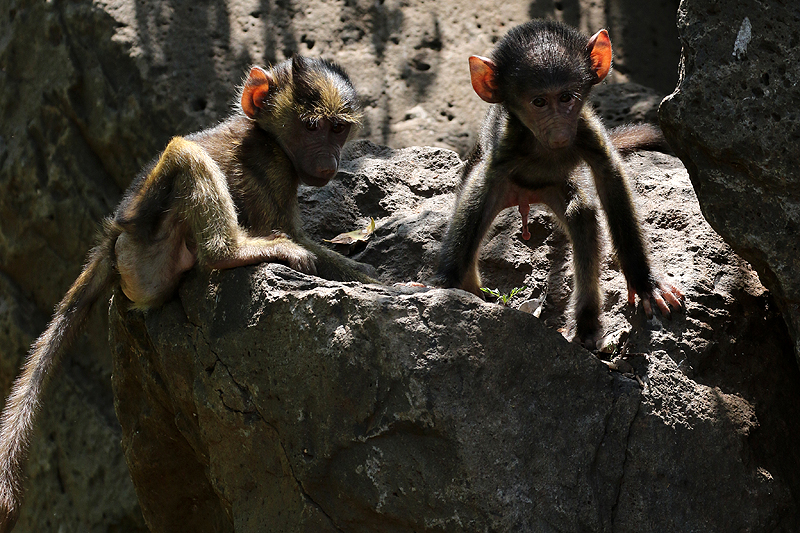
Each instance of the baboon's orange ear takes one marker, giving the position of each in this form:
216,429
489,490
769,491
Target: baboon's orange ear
255,91
599,48
482,72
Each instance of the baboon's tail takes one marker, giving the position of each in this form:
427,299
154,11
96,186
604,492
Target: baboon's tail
630,138
22,405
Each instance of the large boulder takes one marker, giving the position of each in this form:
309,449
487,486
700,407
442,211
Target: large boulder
733,120
264,396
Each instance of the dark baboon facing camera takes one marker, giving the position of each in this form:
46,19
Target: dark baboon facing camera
532,141
220,198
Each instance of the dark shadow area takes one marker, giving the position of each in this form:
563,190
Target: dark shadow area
279,33
383,129
641,31
568,11
422,70
382,23
182,64
753,355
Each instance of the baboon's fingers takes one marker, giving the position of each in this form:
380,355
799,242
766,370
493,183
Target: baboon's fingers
648,309
631,295
304,262
674,296
663,294
662,305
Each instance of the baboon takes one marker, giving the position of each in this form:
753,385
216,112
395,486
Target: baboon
220,198
532,140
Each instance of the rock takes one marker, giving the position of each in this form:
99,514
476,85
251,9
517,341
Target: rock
261,395
733,121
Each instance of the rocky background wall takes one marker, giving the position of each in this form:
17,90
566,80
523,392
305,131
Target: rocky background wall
734,122
92,90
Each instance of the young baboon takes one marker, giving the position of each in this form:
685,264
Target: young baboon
220,198
532,141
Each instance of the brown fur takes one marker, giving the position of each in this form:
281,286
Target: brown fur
630,138
22,405
221,198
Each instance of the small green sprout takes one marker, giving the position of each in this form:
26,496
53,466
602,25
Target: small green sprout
503,298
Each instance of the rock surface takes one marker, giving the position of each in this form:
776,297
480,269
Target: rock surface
261,395
734,122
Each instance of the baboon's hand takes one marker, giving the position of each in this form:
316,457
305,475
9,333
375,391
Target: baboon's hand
302,260
367,269
662,293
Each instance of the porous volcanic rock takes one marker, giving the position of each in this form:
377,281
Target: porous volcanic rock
734,121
